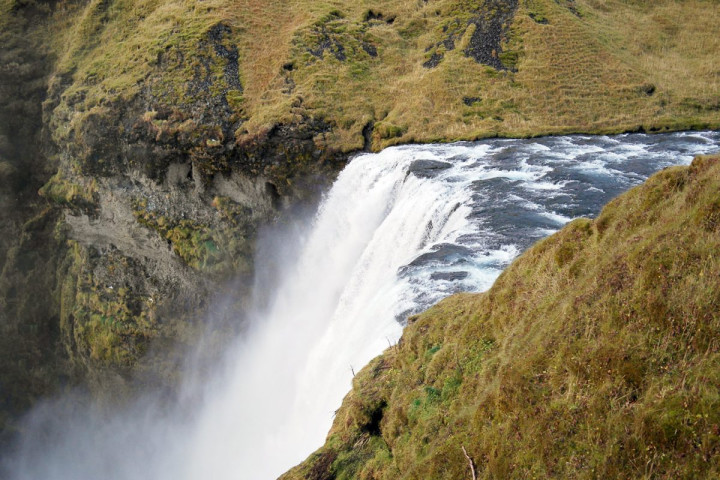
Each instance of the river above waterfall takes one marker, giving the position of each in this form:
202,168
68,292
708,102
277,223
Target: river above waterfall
515,192
397,231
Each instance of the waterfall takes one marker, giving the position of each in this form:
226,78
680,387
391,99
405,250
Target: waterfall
397,231
335,309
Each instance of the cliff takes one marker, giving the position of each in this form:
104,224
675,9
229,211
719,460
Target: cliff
594,355
144,142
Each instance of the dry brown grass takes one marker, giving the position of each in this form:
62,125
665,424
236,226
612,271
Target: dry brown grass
587,73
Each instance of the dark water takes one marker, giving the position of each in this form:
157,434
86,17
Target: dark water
522,190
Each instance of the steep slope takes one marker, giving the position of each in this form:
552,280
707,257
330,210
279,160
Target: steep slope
595,355
31,360
161,134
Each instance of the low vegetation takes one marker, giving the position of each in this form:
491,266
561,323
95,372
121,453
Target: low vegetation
222,251
397,71
594,355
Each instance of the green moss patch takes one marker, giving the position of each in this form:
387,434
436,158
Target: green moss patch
223,249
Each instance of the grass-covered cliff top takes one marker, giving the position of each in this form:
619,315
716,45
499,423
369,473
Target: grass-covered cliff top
402,70
596,354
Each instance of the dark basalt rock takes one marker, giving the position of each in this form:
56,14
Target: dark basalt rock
427,168
490,31
537,18
229,53
367,132
373,16
369,49
444,252
570,5
449,276
434,60
491,21
327,42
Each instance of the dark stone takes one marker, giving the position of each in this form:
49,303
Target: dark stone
230,54
490,31
339,52
449,276
434,60
647,89
538,18
570,5
427,168
272,191
372,427
367,135
369,49
443,253
326,42
372,15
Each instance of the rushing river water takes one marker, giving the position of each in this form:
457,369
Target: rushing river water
398,231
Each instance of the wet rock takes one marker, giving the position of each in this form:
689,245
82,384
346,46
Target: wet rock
446,253
449,276
427,168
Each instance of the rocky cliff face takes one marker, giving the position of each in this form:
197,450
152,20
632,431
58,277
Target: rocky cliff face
143,143
30,357
121,227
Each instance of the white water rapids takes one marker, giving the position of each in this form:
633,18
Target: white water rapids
397,231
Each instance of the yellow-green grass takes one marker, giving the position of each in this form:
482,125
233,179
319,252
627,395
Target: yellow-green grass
602,66
596,354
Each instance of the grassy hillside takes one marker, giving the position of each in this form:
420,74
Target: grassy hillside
403,70
596,354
